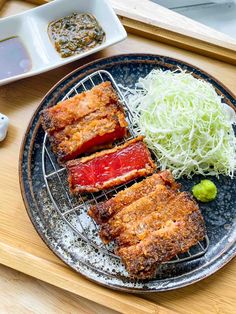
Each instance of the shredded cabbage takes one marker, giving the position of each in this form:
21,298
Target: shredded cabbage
185,123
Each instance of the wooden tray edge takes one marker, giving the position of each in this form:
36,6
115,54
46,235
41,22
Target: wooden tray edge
145,18
75,283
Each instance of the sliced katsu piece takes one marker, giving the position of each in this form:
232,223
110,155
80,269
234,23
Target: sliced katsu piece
141,224
135,212
151,228
175,236
73,109
91,133
86,122
103,211
110,167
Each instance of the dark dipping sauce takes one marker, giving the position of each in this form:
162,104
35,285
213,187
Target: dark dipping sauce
14,58
75,34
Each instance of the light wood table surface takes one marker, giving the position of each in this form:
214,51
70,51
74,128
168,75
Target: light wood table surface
22,294
22,249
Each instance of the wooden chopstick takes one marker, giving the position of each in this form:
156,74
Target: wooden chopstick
2,2
37,1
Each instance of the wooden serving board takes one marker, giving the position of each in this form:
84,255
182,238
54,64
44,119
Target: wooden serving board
20,246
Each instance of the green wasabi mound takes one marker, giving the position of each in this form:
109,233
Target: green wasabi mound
205,191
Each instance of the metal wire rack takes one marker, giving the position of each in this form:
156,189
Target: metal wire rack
73,210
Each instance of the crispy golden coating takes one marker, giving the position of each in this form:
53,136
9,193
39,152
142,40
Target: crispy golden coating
102,212
153,228
176,236
86,122
126,219
97,125
73,109
171,207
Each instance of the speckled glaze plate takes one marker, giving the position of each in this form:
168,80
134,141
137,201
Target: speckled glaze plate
85,258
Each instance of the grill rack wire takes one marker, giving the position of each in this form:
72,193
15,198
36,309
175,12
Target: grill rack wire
73,210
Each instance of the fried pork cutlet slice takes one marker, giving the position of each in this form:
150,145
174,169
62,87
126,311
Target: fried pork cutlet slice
86,122
153,228
89,134
103,211
73,109
177,205
110,167
175,236
135,212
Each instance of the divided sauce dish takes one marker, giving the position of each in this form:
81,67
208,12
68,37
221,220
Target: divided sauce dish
31,27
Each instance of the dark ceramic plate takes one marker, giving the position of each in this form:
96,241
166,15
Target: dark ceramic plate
84,256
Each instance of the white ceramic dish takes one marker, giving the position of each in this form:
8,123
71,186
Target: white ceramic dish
31,26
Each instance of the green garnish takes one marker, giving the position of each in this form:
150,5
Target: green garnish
205,191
